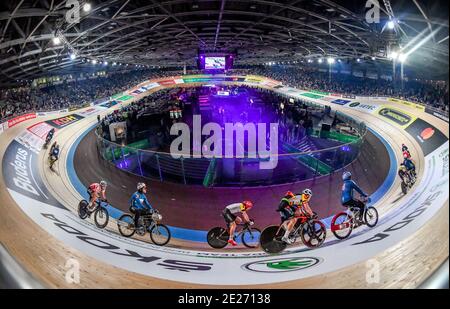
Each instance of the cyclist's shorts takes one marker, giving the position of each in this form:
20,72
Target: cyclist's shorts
228,216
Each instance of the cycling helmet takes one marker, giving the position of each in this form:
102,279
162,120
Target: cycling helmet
103,184
405,155
289,194
247,204
307,194
141,186
403,167
346,176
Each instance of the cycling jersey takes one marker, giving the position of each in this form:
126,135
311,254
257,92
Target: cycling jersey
55,152
347,191
409,164
235,208
95,188
139,201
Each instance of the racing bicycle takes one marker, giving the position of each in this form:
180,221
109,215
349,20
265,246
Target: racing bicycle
218,236
311,231
149,222
344,222
101,216
408,182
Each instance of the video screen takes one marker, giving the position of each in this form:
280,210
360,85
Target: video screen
214,63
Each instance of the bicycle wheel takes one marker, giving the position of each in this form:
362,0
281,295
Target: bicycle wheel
342,225
371,216
271,241
160,234
125,225
313,235
250,238
404,187
101,217
82,209
218,237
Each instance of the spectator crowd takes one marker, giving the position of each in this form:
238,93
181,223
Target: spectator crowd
17,101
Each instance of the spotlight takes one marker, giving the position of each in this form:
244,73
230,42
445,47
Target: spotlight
310,61
393,55
94,61
373,58
320,60
114,63
358,60
72,56
330,60
402,57
391,24
87,7
105,63
56,41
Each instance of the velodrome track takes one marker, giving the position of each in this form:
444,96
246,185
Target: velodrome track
410,241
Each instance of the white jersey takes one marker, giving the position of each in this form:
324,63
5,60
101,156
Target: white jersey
235,208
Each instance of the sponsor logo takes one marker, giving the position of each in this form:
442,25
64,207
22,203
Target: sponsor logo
348,96
427,133
19,119
428,137
407,103
21,177
65,121
340,102
282,265
395,116
362,106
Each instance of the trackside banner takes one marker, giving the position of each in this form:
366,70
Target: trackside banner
436,114
19,119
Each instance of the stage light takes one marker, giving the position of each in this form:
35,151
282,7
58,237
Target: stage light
114,63
358,60
402,57
87,7
73,56
105,63
373,58
391,24
393,55
339,60
330,60
310,61
94,61
320,60
56,41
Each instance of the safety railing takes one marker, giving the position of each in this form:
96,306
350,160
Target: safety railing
291,163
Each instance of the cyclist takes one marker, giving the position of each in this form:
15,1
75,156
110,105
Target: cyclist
296,205
230,214
405,151
96,190
410,166
347,199
54,153
139,204
49,136
284,208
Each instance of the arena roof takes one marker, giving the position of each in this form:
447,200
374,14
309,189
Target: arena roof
171,33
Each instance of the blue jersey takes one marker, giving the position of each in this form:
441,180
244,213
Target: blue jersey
55,152
408,164
347,191
139,201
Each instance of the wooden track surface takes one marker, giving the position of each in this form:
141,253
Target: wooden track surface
404,265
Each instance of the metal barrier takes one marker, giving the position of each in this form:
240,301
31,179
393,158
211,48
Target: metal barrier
292,164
